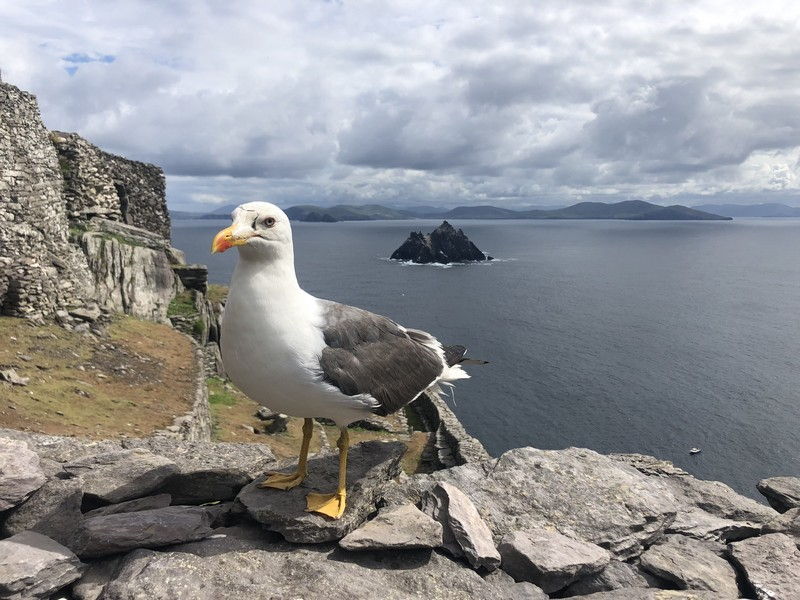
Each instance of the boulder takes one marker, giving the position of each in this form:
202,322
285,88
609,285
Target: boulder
771,564
122,474
97,574
464,532
578,492
401,527
34,566
20,473
54,510
445,244
285,570
135,505
207,471
617,575
782,493
788,523
690,564
370,466
549,559
121,532
515,590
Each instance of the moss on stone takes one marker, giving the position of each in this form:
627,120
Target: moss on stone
182,305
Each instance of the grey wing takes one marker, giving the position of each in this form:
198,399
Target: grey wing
366,353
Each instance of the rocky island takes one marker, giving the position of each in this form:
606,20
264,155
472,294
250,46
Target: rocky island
443,245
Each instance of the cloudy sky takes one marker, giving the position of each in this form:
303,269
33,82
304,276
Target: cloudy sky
436,103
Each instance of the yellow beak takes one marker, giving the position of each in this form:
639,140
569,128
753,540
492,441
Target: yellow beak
225,239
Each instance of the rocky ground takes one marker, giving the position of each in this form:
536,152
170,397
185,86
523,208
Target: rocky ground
160,518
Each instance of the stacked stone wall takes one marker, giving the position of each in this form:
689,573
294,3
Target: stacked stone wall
39,270
99,184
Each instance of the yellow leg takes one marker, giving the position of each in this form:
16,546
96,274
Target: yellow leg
286,481
332,505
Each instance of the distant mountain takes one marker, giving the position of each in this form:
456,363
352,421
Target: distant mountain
638,210
345,212
752,210
630,209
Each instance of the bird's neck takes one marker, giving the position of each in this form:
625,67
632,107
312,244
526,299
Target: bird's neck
277,272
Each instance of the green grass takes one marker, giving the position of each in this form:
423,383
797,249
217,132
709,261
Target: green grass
218,395
182,305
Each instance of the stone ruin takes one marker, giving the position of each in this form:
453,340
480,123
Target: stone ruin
82,231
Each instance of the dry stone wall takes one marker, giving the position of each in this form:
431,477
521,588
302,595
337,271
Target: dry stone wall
99,184
39,270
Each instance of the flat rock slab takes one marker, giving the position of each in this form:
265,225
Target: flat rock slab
782,493
53,510
122,474
713,497
34,566
20,473
135,505
207,471
771,564
121,532
286,570
401,527
370,466
549,559
578,492
691,565
698,524
464,531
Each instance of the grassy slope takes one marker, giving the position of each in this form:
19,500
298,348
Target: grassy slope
130,383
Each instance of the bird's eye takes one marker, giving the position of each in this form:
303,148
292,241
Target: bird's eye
269,221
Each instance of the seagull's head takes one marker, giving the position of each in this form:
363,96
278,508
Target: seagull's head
259,229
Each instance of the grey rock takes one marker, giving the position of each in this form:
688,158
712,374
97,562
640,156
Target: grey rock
691,565
578,492
135,505
88,313
207,471
20,473
549,559
370,466
34,566
788,523
53,510
399,527
782,493
266,414
97,574
514,590
617,575
60,449
121,475
121,532
10,375
713,497
237,538
771,564
697,523
464,531
650,594
290,571
277,425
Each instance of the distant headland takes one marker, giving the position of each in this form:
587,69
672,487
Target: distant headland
632,210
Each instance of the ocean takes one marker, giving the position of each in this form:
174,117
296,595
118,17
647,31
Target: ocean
619,336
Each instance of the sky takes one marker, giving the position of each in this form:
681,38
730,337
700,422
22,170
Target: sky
515,104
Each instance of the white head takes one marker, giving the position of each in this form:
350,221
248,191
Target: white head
261,231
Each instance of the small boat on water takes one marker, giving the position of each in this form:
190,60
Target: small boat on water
695,451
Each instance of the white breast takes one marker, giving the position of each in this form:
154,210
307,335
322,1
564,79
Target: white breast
271,341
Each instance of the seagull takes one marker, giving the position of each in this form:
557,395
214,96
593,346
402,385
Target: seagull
308,357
